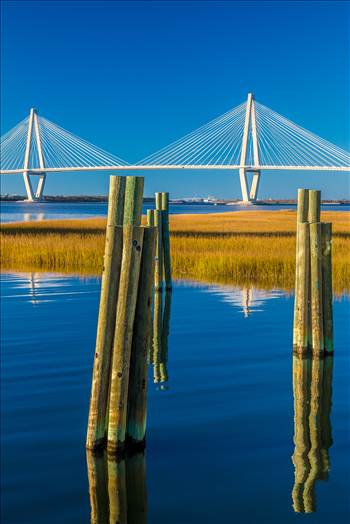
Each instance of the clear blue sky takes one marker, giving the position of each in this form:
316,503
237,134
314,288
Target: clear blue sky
133,76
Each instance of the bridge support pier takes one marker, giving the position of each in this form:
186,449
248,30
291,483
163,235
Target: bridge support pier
31,196
254,186
244,184
28,186
249,196
40,187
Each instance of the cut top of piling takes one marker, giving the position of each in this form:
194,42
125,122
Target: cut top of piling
314,214
158,200
162,201
116,201
150,217
303,205
133,200
165,201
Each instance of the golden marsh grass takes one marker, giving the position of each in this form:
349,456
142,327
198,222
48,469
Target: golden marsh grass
243,247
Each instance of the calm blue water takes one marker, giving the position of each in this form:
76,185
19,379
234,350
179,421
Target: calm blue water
24,211
220,430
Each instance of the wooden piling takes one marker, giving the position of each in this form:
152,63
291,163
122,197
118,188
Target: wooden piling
314,213
165,201
166,241
302,216
158,273
137,398
327,291
116,200
316,288
150,223
303,206
128,288
97,422
158,201
133,200
301,304
150,217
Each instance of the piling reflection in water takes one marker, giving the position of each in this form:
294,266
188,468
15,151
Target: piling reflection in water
117,489
312,389
161,327
98,487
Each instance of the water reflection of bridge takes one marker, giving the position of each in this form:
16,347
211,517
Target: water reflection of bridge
248,299
38,285
33,217
45,287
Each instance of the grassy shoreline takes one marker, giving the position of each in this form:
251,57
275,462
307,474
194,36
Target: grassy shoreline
242,248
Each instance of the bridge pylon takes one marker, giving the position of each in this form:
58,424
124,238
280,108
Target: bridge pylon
33,134
249,133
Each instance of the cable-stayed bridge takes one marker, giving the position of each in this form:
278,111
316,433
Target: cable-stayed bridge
249,138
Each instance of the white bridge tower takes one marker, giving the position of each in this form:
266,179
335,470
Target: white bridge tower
33,125
249,127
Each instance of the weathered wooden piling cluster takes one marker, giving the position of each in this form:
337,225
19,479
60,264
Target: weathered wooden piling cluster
313,310
312,333
133,265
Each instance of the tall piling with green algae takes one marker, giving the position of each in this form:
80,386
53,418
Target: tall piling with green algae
97,422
